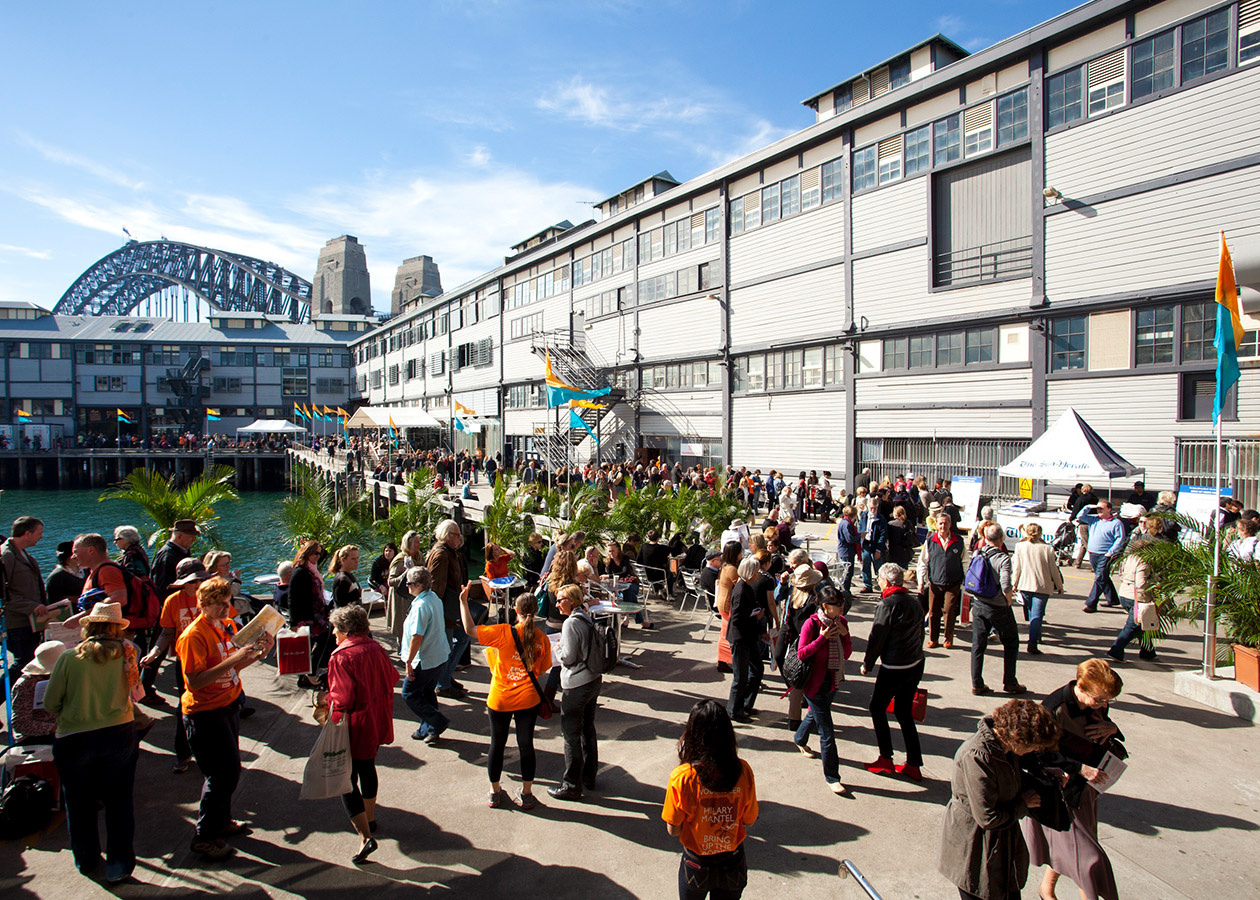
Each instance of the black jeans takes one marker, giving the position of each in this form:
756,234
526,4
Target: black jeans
215,738
985,616
722,876
577,722
363,784
22,643
899,686
748,668
99,768
500,723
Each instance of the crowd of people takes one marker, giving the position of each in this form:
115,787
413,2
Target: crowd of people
549,638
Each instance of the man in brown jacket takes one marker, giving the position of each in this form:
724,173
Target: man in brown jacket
24,594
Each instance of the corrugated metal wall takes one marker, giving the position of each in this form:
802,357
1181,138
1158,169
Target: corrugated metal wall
984,202
789,432
799,241
679,330
789,308
890,215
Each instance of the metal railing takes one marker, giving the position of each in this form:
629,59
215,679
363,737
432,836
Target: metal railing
1240,466
944,458
987,262
849,870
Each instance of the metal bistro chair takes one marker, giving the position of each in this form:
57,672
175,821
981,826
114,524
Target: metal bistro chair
691,588
712,611
652,586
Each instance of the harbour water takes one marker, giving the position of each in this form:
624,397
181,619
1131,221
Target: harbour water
248,529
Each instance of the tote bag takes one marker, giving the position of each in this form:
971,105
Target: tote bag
327,772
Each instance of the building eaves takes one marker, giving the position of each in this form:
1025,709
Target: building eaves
937,38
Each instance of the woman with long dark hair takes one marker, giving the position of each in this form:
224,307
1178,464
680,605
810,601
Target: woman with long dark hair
307,606
711,829
522,654
345,586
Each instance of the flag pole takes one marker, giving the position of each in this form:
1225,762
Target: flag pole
1209,610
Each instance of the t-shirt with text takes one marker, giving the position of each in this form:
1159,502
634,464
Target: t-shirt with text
710,821
510,687
203,645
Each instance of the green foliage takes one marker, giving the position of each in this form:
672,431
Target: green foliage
1182,571
718,508
421,513
640,510
311,513
506,520
165,504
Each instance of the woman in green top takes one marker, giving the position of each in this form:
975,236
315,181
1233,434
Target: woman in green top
95,748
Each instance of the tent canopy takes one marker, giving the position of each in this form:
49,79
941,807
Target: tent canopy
271,426
1069,451
403,416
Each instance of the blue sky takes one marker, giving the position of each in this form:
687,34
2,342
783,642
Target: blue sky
451,128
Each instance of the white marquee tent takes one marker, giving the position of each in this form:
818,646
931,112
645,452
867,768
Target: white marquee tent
271,426
1070,451
404,417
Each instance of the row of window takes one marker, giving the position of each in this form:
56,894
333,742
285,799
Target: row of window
795,194
999,123
549,284
604,263
171,355
685,281
1176,57
863,89
810,368
971,346
602,304
679,236
525,396
525,326
684,375
1162,335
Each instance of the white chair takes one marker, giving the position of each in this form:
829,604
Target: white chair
691,588
647,584
713,613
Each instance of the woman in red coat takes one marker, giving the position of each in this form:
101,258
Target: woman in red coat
361,682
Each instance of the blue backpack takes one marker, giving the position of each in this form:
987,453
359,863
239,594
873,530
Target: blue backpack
981,579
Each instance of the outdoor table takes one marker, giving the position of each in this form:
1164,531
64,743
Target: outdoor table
270,580
618,611
500,593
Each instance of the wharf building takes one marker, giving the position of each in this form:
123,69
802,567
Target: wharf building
960,247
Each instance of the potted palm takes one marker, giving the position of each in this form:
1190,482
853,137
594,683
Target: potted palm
1182,572
166,504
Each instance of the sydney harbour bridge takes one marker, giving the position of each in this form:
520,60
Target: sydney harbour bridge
173,280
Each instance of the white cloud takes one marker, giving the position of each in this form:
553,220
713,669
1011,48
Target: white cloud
479,157
593,104
15,250
66,158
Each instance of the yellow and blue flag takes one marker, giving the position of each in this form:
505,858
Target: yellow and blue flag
124,418
212,415
560,392
393,434
23,414
1229,331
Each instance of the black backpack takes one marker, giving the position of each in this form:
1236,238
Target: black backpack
601,654
25,807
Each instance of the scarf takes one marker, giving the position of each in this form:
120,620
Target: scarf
835,656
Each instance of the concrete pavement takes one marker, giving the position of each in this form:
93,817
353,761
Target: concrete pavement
1181,823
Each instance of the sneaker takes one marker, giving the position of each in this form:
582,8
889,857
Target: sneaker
417,735
981,689
526,801
1089,609
837,788
153,698
1147,654
454,692
181,766
116,873
432,738
1015,688
237,829
806,751
911,772
215,849
498,800
742,718
881,766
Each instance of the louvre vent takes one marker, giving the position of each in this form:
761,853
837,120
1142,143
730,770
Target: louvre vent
978,118
861,91
879,82
1106,69
1248,15
890,148
809,180
697,220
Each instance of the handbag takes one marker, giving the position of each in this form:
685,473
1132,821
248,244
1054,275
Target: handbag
918,708
327,772
1053,813
544,705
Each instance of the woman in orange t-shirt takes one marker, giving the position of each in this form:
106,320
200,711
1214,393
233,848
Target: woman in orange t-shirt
211,707
520,655
710,801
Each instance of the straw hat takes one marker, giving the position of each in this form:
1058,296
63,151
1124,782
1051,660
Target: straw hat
805,576
737,523
189,571
106,612
45,657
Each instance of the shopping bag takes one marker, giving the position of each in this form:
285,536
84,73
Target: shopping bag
918,709
966,609
1146,615
327,772
293,652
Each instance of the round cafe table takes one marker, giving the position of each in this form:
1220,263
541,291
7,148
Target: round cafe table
501,592
618,611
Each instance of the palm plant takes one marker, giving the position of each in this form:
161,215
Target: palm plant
1181,572
421,512
718,508
312,513
639,510
504,519
165,504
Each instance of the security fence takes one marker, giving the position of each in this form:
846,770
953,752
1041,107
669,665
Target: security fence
942,459
1240,466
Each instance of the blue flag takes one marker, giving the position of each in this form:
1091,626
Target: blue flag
576,421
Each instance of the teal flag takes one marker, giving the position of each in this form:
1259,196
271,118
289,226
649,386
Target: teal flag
576,421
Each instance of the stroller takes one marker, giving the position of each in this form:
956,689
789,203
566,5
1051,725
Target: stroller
1064,543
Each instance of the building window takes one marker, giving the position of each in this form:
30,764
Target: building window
947,138
921,352
756,380
1205,46
1198,330
790,196
294,382
812,369
895,353
1012,118
864,168
1155,336
227,385
393,374
1067,343
949,349
898,73
918,150
832,182
526,325
792,370
1198,396
1064,100
979,345
712,225
1249,34
1152,65
1105,76
774,371
769,204
890,159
